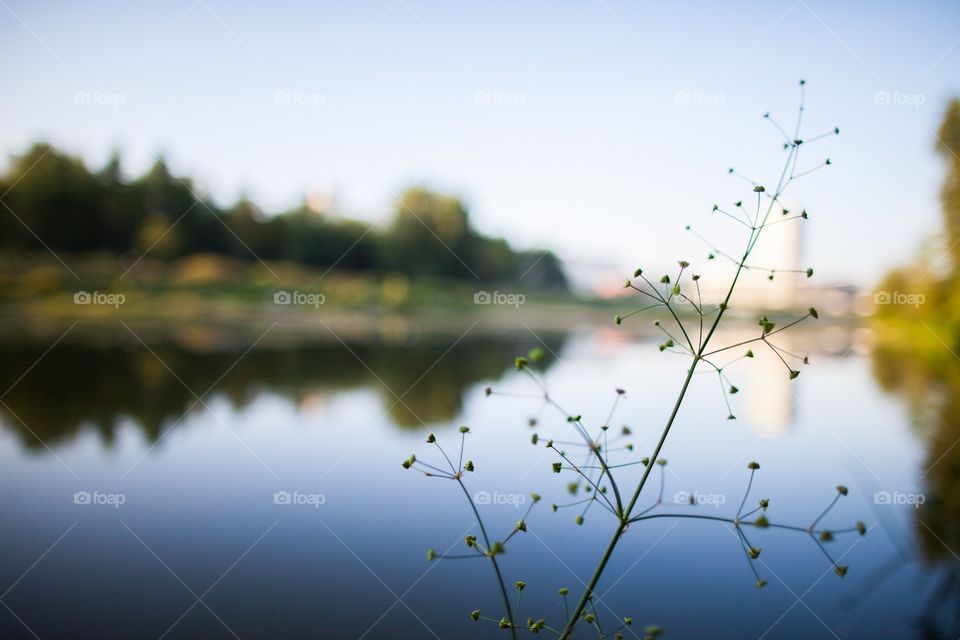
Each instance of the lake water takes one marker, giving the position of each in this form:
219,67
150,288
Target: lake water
140,488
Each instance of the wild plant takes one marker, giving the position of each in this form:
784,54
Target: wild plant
597,458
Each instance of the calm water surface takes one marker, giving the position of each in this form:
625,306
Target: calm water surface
139,489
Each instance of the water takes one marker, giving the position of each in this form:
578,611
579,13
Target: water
182,449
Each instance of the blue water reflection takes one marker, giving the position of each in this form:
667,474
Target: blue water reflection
200,548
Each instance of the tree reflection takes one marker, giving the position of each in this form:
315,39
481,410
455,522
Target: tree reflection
78,387
929,383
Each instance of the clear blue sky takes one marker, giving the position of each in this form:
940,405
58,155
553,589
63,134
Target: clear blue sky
559,122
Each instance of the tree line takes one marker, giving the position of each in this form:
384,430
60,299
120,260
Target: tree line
927,289
51,198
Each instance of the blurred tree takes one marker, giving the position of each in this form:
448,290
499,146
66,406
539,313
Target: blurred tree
927,277
56,201
948,144
429,235
53,200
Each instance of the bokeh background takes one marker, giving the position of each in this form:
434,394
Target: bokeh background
252,256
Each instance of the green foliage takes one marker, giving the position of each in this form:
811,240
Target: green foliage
54,200
926,291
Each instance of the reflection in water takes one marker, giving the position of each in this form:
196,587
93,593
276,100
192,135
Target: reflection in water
76,387
311,582
772,412
931,390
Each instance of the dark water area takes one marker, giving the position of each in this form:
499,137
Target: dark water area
256,492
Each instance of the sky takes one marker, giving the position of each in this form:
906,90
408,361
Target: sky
596,128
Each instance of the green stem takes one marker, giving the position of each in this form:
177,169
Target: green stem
626,516
624,522
493,560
